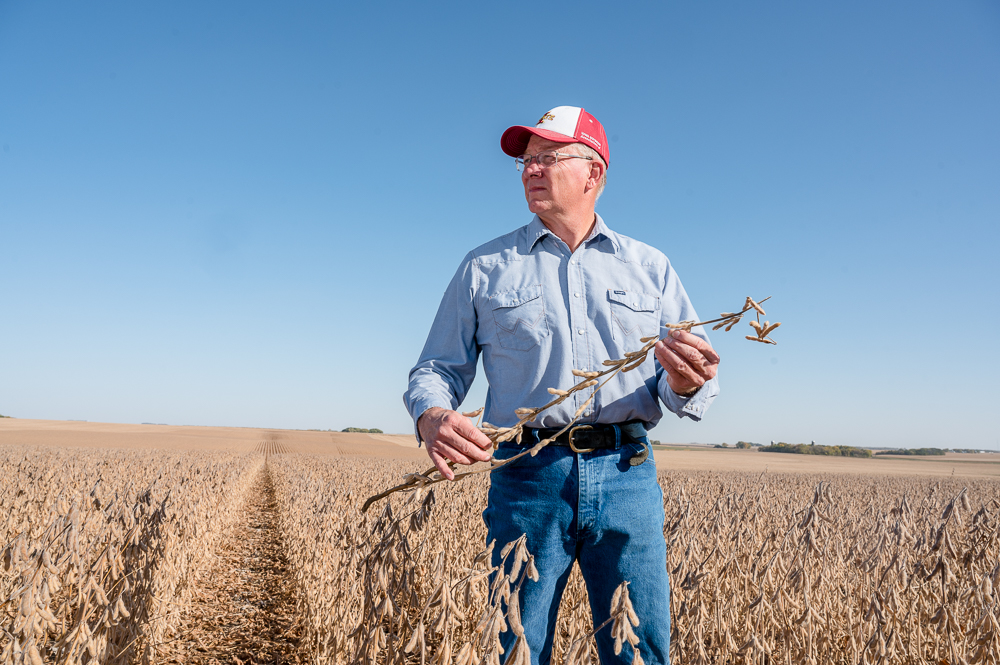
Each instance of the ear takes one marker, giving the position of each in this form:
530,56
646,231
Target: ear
596,174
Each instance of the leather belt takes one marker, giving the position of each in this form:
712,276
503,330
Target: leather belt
588,438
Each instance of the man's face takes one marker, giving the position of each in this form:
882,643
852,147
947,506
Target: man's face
559,187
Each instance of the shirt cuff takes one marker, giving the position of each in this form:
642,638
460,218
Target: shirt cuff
693,407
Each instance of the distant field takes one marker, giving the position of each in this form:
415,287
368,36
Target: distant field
182,437
169,544
967,465
404,446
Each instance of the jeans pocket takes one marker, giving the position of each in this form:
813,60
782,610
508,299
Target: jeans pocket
636,453
519,316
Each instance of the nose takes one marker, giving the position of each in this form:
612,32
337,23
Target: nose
534,169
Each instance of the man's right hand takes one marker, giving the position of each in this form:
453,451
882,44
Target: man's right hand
449,435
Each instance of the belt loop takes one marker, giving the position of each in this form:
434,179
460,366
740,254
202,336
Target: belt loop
618,437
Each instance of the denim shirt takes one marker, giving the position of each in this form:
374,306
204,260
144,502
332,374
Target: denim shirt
536,311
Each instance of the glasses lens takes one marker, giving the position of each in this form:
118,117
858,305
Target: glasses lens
547,158
521,161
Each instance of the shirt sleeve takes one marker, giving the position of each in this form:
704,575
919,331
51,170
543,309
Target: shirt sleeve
675,307
447,365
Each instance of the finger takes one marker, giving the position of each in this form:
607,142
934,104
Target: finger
660,351
691,355
466,436
677,381
666,362
471,433
694,348
455,441
669,359
441,463
693,359
697,342
680,367
454,454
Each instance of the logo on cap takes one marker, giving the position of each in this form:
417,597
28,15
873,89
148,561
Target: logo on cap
588,137
547,116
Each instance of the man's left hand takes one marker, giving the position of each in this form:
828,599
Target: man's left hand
688,360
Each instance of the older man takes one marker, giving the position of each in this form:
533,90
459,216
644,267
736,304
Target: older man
567,292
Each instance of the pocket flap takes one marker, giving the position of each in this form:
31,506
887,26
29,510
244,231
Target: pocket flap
517,297
635,301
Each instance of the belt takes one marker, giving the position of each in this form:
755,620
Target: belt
588,438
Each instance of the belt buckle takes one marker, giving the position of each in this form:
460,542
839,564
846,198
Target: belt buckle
572,444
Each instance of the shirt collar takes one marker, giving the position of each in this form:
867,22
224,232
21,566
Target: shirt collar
537,230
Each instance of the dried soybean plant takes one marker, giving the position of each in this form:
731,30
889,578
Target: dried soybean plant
406,584
764,568
781,569
98,547
623,619
596,380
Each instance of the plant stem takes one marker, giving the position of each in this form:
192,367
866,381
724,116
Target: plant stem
629,362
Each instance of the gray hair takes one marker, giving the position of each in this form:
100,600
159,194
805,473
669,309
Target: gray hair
585,150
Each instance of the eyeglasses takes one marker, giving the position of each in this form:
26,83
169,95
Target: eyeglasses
545,159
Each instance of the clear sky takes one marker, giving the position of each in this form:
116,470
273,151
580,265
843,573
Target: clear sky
222,213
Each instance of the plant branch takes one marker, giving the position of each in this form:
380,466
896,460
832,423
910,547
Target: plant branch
631,361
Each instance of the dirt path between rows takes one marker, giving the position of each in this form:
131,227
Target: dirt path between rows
244,608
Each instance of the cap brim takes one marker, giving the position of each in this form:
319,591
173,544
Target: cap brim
514,141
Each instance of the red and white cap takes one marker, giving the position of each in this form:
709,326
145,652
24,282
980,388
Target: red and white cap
563,124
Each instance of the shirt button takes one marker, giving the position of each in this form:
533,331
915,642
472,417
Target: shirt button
580,331
576,295
635,304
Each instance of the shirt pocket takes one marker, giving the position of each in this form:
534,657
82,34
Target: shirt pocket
520,317
634,314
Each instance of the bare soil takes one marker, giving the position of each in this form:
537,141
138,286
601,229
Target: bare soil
244,609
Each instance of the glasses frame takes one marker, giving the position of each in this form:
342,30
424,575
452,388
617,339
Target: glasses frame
524,161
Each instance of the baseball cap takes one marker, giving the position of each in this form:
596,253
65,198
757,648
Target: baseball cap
563,124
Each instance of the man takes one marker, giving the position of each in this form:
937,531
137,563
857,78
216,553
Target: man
566,292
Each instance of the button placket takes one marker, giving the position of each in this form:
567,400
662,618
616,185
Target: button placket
578,322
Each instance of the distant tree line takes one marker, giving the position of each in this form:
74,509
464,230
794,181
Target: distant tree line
362,431
914,451
813,449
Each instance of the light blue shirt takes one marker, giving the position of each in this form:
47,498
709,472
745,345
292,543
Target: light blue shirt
536,311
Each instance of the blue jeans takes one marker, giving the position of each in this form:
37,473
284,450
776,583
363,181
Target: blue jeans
596,509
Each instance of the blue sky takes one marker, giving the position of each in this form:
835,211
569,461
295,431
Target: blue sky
245,213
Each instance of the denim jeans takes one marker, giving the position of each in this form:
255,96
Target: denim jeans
596,509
